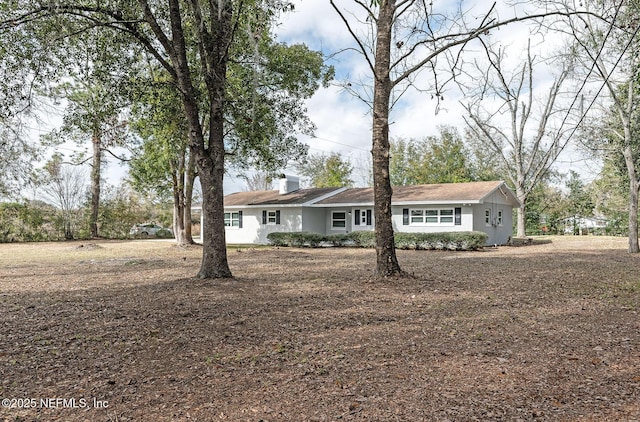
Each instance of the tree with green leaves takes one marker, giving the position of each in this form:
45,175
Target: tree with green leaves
579,203
435,159
96,91
163,162
325,171
610,192
195,43
22,71
546,208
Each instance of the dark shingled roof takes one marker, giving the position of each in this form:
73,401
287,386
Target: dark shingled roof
455,192
443,192
273,197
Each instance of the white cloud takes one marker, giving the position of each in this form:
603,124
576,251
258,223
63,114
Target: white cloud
343,124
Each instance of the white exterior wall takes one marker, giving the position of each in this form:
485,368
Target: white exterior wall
319,220
314,220
254,232
499,234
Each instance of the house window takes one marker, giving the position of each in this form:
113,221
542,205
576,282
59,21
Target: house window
232,219
499,218
417,216
338,220
422,217
487,217
271,217
446,216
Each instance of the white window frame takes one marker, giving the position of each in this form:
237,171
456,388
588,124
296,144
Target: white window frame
487,217
431,217
499,219
342,220
271,217
230,218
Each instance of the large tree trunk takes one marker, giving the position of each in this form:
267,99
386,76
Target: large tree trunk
209,156
96,163
386,260
634,185
214,247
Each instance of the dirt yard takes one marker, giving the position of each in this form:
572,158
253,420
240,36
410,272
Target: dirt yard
121,331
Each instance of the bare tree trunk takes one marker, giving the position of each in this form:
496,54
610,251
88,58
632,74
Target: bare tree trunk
633,218
190,176
634,186
521,212
521,224
178,175
95,184
386,260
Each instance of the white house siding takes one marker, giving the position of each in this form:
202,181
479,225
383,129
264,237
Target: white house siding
314,220
254,232
499,233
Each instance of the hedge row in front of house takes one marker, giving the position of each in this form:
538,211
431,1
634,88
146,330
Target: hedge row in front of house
365,239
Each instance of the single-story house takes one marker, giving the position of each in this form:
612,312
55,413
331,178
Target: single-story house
580,225
480,206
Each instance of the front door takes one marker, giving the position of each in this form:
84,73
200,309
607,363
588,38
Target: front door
363,219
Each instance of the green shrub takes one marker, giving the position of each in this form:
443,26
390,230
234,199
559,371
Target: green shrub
339,240
366,239
440,241
278,238
30,221
296,239
363,239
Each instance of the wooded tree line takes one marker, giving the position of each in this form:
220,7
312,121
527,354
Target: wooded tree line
205,86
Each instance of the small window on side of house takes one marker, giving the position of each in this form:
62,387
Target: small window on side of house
271,217
487,217
499,218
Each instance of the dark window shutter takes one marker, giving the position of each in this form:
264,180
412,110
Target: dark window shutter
405,216
277,216
239,219
368,217
264,216
356,220
458,216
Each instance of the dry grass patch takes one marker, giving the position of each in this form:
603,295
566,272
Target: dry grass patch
546,332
